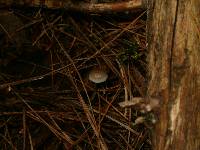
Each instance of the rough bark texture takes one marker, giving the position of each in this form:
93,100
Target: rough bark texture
174,64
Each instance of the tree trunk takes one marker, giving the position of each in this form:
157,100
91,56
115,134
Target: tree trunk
174,64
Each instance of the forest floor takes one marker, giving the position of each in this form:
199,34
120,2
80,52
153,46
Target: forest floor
48,99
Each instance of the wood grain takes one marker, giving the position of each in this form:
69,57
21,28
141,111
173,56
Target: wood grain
175,73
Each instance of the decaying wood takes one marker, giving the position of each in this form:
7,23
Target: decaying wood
80,6
109,7
174,62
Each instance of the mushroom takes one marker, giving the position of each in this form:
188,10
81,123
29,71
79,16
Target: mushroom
153,103
98,75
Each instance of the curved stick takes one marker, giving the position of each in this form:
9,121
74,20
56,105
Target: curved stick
79,6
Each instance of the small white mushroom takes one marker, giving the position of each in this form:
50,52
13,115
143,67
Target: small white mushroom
139,120
153,120
98,75
148,107
154,103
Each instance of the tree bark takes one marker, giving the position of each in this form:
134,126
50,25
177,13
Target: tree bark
174,65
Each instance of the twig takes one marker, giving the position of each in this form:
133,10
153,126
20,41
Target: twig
24,128
30,139
126,84
22,81
118,122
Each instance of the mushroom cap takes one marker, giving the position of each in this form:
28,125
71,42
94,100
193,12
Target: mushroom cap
98,75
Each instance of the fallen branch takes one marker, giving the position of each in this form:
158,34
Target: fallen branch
79,6
107,7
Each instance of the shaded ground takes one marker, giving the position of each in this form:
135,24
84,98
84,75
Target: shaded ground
46,98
